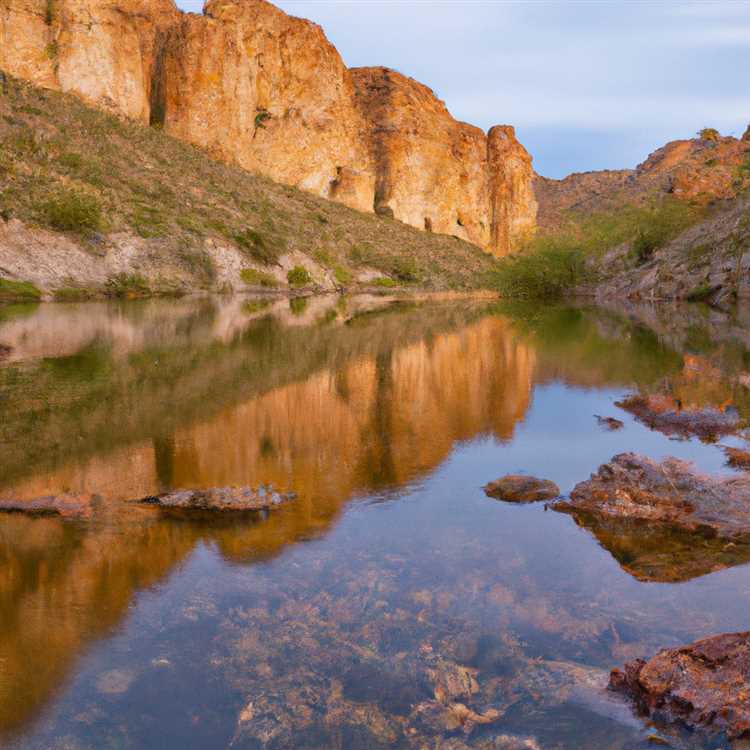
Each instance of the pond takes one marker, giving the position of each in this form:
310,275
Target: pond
392,604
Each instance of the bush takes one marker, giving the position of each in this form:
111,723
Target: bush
18,290
547,273
298,276
73,212
709,134
251,277
128,285
263,249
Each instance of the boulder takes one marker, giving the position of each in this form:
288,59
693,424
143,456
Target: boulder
223,499
671,492
520,488
703,685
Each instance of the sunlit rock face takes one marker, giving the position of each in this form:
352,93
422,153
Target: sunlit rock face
441,175
269,92
102,51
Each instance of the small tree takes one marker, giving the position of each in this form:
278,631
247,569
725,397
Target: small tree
709,134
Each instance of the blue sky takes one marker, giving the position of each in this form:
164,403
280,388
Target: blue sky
588,84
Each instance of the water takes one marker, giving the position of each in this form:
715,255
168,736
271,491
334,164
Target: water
336,621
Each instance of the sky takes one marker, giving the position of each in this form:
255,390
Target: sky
588,84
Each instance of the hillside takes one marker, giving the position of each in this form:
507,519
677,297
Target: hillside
91,204
700,170
268,92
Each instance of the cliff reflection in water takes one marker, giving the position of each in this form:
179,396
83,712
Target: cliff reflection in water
335,399
370,403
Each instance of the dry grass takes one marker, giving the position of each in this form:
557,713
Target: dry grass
74,169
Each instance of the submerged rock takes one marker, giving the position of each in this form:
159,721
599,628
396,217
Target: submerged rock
609,423
69,505
633,486
519,488
737,458
665,414
705,684
222,499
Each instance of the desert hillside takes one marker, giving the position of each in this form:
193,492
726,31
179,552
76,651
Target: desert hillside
92,203
268,92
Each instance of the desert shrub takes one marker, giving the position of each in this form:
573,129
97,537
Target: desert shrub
298,276
547,273
128,285
71,211
709,134
18,290
385,281
264,249
251,277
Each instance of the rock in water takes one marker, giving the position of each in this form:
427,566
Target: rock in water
664,413
70,505
519,488
610,423
222,499
633,486
705,684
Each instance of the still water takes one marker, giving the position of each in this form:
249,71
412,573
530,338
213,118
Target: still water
393,604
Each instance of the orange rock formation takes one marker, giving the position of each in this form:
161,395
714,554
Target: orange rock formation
269,92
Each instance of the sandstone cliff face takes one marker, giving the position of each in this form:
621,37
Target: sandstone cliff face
441,175
102,51
270,93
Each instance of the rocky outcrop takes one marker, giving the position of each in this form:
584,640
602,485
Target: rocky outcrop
670,492
703,685
441,175
102,50
699,170
270,93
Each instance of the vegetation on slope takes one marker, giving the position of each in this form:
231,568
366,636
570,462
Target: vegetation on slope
554,264
76,170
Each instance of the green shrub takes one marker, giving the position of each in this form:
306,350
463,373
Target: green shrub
263,249
342,275
298,276
18,290
128,285
709,134
73,212
548,273
385,281
74,294
251,277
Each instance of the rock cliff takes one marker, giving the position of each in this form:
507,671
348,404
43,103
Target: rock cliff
700,170
270,93
441,175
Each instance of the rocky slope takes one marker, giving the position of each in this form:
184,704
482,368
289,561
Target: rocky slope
92,204
708,262
701,170
270,93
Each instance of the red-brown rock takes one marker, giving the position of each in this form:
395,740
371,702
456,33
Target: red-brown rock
703,685
519,488
633,486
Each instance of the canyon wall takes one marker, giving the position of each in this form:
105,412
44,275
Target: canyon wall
270,93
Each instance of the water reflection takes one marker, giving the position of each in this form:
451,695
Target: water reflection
361,398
